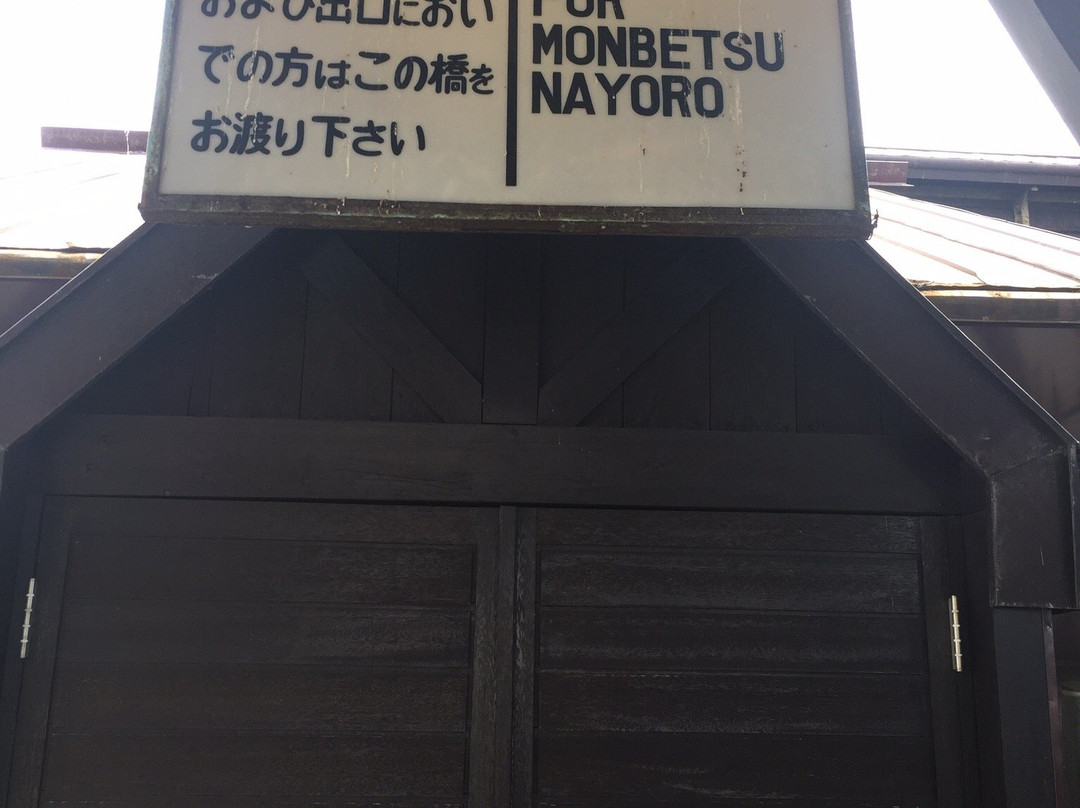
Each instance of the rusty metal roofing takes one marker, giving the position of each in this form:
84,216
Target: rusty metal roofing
937,247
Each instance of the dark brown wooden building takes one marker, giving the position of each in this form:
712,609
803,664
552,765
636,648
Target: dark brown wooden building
356,520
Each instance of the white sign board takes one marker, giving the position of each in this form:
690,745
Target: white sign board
678,115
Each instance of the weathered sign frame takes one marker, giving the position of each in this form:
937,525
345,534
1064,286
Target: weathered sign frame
349,213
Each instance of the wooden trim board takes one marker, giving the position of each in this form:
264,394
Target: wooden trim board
232,458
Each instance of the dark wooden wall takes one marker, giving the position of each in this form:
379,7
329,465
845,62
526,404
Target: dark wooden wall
1040,358
20,295
632,332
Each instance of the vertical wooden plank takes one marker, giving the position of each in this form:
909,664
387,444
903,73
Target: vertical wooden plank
1031,510
1057,730
944,696
525,643
382,254
582,291
672,298
969,728
441,281
392,329
504,655
344,378
200,319
165,374
753,357
837,392
33,714
512,333
259,340
1067,644
380,251
482,712
492,674
20,525
671,390
407,406
645,257
981,655
1027,694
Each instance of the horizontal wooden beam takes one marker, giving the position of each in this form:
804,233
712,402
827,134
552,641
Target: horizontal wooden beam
227,458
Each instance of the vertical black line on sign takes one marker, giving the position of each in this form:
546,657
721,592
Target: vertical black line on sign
511,93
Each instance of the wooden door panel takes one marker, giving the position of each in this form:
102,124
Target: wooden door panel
248,655
90,767
203,649
757,532
218,569
263,633
723,660
642,770
632,639
639,702
267,698
703,579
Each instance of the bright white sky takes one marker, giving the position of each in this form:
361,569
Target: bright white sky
944,75
956,83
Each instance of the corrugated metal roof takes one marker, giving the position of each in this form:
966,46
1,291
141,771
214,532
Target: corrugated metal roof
936,247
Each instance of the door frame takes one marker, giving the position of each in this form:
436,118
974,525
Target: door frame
518,466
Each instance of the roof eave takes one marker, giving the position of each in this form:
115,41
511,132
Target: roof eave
1027,458
106,311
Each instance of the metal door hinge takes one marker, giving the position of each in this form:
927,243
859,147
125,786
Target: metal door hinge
26,619
954,621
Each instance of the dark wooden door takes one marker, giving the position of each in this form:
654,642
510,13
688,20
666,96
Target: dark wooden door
237,654
252,654
705,659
